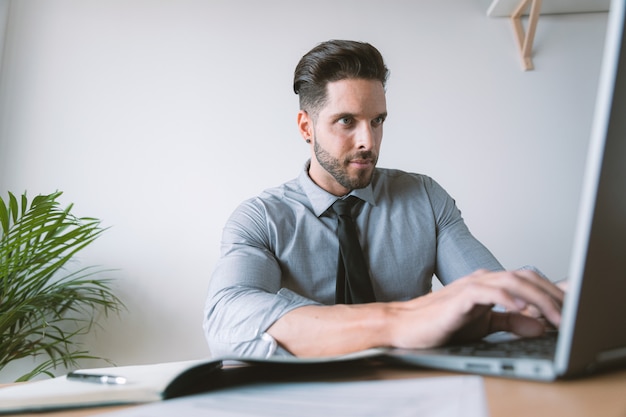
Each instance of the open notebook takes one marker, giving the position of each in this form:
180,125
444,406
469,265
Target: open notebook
155,382
592,335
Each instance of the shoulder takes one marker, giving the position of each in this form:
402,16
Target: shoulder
411,191
262,219
285,195
397,180
272,202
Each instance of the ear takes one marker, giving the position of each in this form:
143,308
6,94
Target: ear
305,125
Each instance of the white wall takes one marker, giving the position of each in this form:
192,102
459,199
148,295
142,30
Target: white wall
159,117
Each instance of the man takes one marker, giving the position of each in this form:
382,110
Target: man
282,286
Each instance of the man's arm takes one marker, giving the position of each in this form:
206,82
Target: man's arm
460,311
245,296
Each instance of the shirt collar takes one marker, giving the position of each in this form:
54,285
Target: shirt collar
321,199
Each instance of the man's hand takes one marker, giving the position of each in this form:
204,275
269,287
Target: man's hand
464,311
460,311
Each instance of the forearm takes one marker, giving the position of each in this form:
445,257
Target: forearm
460,311
333,330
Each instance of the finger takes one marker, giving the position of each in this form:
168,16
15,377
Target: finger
555,290
525,288
532,311
518,324
478,293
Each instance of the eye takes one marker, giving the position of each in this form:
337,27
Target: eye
378,121
346,120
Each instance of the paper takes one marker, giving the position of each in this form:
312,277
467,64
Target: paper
148,383
454,396
145,383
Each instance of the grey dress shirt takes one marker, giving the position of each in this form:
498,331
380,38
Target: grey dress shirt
280,251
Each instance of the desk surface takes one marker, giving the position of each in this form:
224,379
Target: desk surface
601,395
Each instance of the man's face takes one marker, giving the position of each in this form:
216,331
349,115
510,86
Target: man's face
346,135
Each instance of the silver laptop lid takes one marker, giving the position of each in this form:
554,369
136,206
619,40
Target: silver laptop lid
593,331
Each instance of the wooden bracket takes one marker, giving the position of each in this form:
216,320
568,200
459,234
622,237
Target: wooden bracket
525,38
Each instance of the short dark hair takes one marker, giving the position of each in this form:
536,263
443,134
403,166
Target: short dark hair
335,60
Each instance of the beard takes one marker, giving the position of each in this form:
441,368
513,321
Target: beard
338,169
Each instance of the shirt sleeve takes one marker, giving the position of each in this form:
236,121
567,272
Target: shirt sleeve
459,253
245,296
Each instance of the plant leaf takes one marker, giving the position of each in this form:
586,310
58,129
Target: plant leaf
44,305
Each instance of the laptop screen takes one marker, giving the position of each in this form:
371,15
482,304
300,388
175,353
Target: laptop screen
593,332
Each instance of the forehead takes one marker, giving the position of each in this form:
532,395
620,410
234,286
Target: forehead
355,96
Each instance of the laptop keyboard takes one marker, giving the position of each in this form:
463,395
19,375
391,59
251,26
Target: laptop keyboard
532,348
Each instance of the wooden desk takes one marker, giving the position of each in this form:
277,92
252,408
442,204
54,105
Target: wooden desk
602,395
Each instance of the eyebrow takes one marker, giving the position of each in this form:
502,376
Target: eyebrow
338,116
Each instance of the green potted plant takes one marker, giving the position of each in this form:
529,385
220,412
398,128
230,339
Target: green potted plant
45,305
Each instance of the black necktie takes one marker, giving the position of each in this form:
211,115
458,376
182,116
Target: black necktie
353,280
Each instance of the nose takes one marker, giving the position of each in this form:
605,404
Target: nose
365,137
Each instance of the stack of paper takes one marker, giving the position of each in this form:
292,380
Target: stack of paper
458,396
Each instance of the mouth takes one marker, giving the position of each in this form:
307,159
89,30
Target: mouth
361,163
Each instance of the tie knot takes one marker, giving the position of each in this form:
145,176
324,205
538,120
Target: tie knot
343,207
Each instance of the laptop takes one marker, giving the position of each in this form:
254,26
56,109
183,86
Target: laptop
592,335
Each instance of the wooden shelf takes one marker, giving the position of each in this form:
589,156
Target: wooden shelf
517,9
505,8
